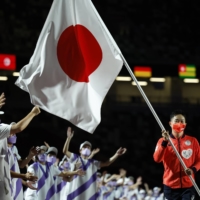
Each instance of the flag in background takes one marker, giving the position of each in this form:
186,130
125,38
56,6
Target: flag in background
142,71
7,62
74,64
187,71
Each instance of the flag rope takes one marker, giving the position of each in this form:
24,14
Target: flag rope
158,120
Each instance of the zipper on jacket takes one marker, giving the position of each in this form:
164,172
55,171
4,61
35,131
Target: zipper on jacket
179,148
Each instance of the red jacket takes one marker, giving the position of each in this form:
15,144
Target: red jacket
174,175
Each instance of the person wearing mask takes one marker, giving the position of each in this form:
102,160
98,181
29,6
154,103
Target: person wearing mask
177,184
61,184
67,187
133,192
5,131
84,187
16,162
53,191
45,170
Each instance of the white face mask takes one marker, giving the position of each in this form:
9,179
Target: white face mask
51,159
85,152
42,157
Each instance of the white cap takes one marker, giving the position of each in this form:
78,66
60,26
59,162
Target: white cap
142,191
119,181
53,149
43,147
126,181
156,189
84,143
131,178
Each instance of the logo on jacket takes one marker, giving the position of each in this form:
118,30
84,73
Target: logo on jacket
187,153
188,142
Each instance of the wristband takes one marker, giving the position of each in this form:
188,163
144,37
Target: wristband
164,143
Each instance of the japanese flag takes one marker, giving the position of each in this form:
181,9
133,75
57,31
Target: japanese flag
74,64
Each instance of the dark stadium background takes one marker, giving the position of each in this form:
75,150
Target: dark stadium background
160,34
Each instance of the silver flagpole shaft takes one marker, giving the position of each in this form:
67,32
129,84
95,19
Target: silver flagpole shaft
158,120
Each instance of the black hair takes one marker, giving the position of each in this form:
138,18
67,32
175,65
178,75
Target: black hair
177,112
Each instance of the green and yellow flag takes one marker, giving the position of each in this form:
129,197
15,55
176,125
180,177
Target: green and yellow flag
187,71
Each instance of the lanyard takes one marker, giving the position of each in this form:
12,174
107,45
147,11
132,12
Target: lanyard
47,169
83,165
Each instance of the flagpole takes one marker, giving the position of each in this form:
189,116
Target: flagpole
116,48
158,120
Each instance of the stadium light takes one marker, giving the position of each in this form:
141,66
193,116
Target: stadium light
141,83
123,78
191,80
3,78
157,79
15,73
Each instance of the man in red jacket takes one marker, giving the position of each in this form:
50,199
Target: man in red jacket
177,184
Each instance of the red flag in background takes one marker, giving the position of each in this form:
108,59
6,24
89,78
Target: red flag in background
7,62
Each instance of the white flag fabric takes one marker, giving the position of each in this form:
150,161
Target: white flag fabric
74,64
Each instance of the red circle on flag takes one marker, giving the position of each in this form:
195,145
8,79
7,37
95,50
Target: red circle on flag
79,53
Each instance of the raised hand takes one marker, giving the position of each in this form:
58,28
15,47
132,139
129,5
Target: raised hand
165,135
139,180
122,172
121,151
34,151
36,110
2,99
104,173
146,185
116,176
70,133
95,151
46,144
